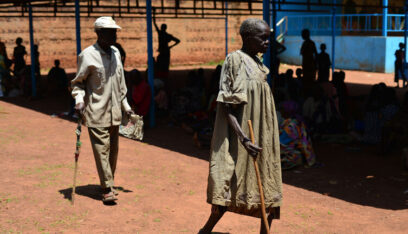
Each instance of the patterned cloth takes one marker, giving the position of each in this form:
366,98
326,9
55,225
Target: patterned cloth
296,145
133,129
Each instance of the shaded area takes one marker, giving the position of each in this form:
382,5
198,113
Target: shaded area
91,190
357,174
353,173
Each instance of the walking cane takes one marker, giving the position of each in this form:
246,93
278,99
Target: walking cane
258,178
78,147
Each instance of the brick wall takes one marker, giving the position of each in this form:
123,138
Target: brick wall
202,40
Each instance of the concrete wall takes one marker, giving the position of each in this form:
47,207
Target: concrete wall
374,54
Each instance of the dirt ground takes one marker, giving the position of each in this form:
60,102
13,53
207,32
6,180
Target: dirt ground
163,181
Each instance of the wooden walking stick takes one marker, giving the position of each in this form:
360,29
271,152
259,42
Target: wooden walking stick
78,147
258,178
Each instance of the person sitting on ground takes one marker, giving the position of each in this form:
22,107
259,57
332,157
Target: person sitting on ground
342,92
295,142
330,93
213,87
195,89
320,115
161,98
283,82
141,93
323,64
293,88
395,131
299,78
213,93
299,75
58,77
203,130
372,121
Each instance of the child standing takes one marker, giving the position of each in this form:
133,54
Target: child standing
323,63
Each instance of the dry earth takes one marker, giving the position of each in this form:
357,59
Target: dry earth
163,183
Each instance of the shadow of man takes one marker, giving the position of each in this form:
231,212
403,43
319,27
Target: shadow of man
91,190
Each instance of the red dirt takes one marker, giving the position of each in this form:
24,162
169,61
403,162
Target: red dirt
164,183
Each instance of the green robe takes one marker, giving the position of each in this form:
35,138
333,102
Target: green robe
232,179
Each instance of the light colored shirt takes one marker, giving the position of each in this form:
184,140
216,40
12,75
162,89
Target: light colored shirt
100,84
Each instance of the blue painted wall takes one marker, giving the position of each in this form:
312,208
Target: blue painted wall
295,10
391,47
374,54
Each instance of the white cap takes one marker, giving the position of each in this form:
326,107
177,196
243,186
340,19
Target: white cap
105,22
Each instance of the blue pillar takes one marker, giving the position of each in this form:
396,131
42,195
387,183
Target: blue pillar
333,39
150,61
405,29
226,28
385,18
33,80
267,18
273,55
78,27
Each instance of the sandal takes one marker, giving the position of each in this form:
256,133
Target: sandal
109,197
115,192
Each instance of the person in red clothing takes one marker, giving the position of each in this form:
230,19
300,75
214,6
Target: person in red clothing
141,93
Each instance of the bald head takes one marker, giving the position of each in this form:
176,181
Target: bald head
251,26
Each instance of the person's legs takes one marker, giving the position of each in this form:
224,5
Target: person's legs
270,218
216,214
114,148
100,141
274,213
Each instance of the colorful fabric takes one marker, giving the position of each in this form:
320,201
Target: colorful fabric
141,96
296,145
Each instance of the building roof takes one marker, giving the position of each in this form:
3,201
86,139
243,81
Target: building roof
163,8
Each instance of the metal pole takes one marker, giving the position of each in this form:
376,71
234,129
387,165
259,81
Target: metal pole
226,28
405,30
266,17
33,80
150,61
274,69
78,26
385,18
333,38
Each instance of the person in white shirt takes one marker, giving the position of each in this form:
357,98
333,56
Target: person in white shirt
99,90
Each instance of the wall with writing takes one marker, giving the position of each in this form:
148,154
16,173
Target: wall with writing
202,40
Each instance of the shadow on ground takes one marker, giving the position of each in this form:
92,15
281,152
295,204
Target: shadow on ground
353,173
91,190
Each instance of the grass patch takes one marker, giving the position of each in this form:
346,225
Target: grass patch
41,169
7,198
69,221
213,63
329,213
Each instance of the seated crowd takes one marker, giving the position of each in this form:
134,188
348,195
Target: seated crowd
318,111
